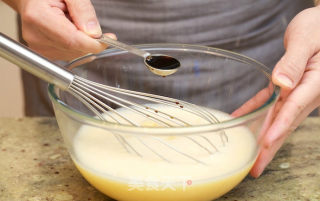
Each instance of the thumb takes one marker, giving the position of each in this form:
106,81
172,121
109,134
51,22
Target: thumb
290,68
84,17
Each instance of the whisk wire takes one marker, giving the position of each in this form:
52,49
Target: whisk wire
155,99
132,106
94,94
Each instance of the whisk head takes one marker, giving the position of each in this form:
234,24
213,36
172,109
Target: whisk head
146,110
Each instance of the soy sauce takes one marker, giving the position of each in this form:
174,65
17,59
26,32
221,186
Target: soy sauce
162,62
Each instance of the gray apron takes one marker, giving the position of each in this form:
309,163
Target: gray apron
254,28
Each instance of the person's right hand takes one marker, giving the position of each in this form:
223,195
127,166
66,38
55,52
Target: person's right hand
60,29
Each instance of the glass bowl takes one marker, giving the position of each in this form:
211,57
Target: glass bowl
196,162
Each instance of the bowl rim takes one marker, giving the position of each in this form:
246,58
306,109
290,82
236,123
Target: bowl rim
186,130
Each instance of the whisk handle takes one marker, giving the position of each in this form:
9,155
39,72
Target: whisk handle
34,63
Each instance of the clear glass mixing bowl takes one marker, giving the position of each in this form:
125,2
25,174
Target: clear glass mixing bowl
237,86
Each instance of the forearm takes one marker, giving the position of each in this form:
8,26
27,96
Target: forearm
13,3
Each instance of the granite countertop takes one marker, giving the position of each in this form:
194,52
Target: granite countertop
35,166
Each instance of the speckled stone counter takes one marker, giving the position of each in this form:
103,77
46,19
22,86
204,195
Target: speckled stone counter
35,166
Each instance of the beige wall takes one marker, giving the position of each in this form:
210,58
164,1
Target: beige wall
11,101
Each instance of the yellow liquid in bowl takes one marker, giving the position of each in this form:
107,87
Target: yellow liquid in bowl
124,176
124,191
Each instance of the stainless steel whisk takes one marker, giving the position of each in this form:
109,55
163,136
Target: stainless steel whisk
94,95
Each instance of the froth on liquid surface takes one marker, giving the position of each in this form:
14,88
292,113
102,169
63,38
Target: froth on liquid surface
107,165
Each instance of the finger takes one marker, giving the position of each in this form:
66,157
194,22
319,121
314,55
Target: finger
59,4
87,44
84,17
266,154
258,100
32,35
296,107
289,70
54,53
266,124
271,115
63,33
58,29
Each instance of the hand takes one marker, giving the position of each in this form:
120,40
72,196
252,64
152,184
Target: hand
60,29
298,75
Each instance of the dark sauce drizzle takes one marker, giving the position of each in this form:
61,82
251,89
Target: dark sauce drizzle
162,62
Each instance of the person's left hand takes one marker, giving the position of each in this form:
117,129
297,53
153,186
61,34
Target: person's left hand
298,75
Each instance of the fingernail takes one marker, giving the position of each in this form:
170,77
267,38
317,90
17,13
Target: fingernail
284,80
256,171
111,35
93,28
259,172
